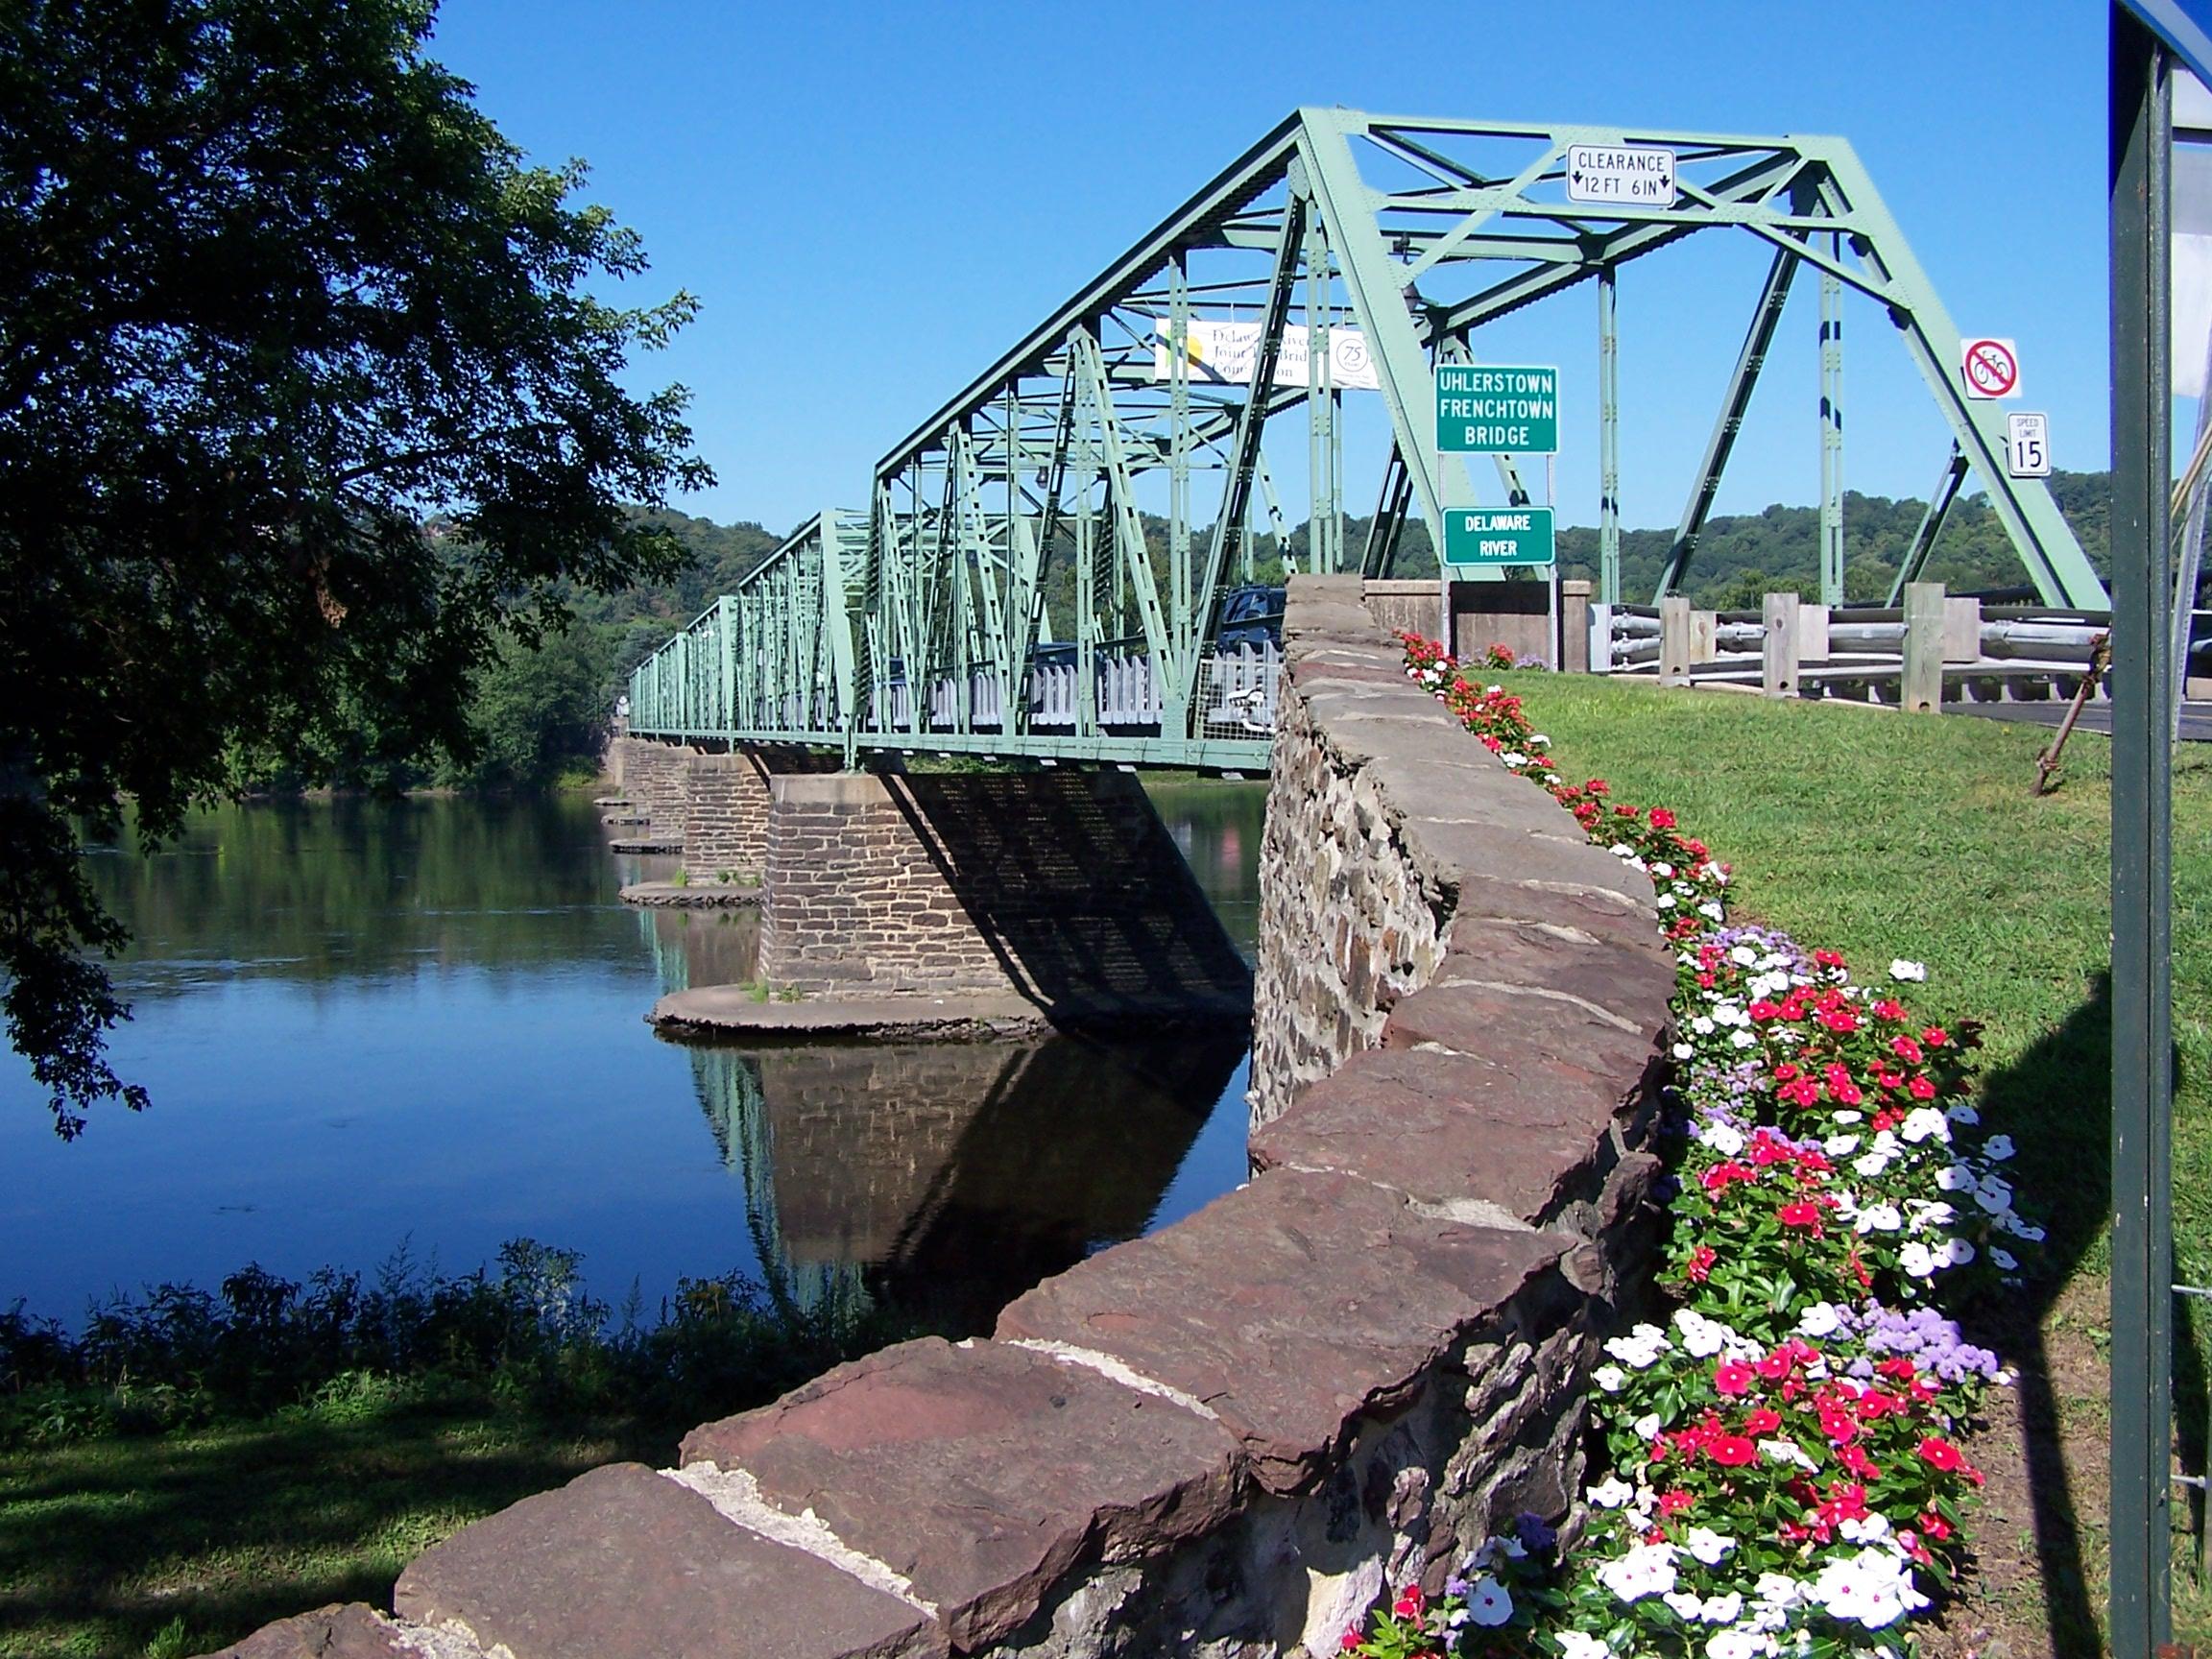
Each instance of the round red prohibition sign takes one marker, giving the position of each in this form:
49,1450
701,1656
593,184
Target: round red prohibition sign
1991,367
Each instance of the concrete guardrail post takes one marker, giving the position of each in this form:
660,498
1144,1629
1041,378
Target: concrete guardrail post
1778,660
1674,640
1923,676
1574,627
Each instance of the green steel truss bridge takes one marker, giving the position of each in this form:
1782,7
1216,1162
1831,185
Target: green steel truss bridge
1117,455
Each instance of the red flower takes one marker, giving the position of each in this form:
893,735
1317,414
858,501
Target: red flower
1408,1605
1855,1460
1662,819
1785,1072
1732,1451
1701,1262
1350,1642
1934,1036
1733,1377
1762,1420
1934,1526
1890,1008
1674,1503
1596,786
1905,1050
1920,1088
1941,1454
1827,959
1803,1213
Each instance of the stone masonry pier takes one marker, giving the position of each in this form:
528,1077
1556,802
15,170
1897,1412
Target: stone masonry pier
1221,1440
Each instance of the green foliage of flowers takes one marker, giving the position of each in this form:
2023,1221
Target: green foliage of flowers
1785,1475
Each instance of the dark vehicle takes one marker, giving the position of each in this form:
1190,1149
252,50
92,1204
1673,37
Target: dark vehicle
1250,615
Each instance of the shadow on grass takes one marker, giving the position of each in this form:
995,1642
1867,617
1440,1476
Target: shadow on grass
2056,1099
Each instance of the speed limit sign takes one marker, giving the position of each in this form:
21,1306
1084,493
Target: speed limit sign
2027,445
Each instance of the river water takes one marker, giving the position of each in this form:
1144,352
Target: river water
373,1025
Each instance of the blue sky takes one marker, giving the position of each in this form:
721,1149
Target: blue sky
871,202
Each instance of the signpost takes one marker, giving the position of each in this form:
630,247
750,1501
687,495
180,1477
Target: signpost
1635,175
1498,536
1501,410
1990,368
2027,445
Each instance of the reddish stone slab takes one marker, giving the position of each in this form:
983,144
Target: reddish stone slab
622,1563
1291,1307
1541,1039
1631,978
982,1473
349,1630
1448,1129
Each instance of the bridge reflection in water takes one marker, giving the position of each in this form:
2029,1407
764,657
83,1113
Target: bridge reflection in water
939,1179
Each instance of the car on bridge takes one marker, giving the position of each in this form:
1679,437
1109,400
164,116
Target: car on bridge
1250,615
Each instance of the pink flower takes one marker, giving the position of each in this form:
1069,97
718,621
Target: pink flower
1733,1451
1733,1377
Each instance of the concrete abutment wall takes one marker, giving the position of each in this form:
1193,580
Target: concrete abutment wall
1221,1440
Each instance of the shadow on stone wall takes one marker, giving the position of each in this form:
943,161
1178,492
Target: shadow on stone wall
1080,891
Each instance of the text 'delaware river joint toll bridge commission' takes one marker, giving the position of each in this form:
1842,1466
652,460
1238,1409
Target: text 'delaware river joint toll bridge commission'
1059,563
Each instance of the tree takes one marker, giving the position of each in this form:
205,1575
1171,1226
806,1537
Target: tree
273,295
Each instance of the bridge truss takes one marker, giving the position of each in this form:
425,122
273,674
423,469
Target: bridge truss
1115,459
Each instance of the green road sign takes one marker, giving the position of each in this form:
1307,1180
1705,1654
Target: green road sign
1495,410
1498,536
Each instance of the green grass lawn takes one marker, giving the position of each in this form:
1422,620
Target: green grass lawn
1883,835
178,1543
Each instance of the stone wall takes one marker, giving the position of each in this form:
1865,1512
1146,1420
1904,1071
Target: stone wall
1224,1439
654,778
1061,887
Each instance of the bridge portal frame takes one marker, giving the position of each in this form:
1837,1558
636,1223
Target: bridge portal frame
1416,232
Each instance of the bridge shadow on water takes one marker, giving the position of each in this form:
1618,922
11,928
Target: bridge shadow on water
944,1179
2056,1099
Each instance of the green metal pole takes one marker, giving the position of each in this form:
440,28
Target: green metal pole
2142,871
1608,443
1831,438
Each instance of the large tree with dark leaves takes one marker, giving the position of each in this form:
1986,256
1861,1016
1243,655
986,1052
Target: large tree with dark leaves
273,295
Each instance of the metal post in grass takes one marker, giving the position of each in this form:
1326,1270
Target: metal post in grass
1778,660
1922,691
2142,1013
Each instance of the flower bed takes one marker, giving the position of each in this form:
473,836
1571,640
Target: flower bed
1784,1470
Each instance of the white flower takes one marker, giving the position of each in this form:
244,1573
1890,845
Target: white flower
1779,1590
1819,1320
1487,1603
1917,1260
1878,1218
1901,969
1874,1588
1576,1645
1684,1051
1963,1113
1663,870
2019,1229
1957,1178
1994,1195
1926,1213
1610,1378
1849,1116
1868,1529
1955,1253
1613,1494
1836,1146
1742,1040
1998,1146
1538,738
1512,757
1721,1609
1646,1570
1871,1164
1647,1426
2006,1261
1711,909
1702,1336
1666,901
1703,1026
1742,955
1687,1603
1641,1348
1724,1139
1739,1644
1708,1546
1786,1451
1923,1122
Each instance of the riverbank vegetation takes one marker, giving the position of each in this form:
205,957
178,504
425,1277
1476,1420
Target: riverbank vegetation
1888,836
192,1464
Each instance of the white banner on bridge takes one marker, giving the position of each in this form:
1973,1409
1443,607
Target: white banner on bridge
1221,354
